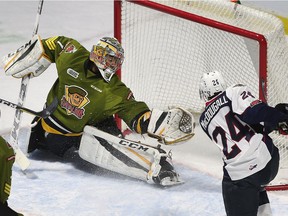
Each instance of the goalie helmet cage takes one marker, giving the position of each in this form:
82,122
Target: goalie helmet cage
170,44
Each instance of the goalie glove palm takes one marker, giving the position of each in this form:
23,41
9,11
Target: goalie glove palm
171,127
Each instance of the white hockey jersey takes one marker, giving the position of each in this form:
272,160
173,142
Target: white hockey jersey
243,150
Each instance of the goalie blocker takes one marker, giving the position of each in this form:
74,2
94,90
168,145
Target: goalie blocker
130,158
28,59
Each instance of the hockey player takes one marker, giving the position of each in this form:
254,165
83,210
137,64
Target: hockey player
89,95
233,119
7,158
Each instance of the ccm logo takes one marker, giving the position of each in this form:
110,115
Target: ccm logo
133,145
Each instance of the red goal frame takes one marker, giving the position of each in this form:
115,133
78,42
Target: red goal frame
205,21
212,23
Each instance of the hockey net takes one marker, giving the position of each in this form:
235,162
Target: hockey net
170,44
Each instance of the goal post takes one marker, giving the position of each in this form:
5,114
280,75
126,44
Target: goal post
169,44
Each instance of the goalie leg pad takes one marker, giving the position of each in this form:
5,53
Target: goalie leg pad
134,159
28,59
112,156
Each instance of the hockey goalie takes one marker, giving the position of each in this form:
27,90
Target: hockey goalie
89,96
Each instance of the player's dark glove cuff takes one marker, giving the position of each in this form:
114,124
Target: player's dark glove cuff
283,107
283,128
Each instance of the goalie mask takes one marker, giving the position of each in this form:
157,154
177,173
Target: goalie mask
108,55
211,84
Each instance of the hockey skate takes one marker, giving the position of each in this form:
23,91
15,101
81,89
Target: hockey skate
167,175
37,138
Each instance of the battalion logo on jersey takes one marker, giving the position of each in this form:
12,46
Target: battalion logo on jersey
74,101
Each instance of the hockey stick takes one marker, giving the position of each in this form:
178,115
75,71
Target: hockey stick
20,158
43,114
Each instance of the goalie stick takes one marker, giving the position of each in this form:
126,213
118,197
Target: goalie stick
43,114
20,157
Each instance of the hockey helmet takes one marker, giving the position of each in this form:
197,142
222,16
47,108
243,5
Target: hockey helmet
211,84
108,55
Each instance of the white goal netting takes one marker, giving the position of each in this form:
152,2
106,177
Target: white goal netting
170,44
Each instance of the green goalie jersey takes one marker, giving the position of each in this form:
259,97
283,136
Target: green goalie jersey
84,98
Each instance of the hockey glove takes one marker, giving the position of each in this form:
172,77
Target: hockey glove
28,59
283,128
174,126
282,107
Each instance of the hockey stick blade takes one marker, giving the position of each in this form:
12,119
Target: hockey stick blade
43,114
21,159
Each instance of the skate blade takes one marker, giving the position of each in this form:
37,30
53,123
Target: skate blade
167,182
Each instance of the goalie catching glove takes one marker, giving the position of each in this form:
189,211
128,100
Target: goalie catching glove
174,126
28,59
